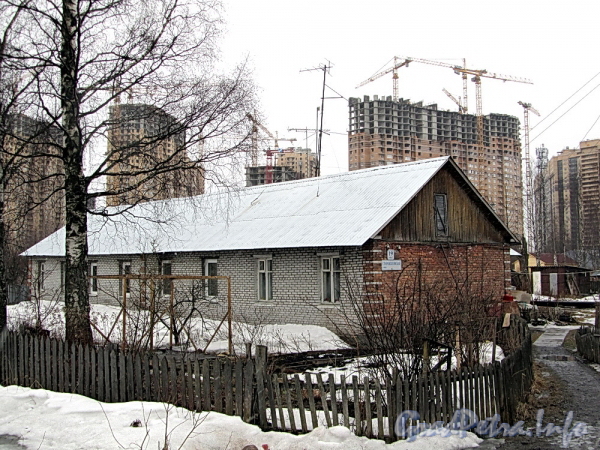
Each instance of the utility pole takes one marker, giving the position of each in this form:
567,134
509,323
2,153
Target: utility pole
325,68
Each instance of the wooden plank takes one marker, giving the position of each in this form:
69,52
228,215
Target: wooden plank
334,403
114,377
248,390
218,382
22,374
440,381
164,381
323,397
198,387
206,382
129,376
189,377
239,387
378,404
311,400
101,374
357,412
290,408
107,375
300,399
73,367
86,371
93,372
279,399
80,370
181,386
390,392
36,360
271,399
476,387
261,362
154,383
345,409
368,415
138,377
171,379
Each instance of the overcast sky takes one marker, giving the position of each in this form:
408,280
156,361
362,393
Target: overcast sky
550,42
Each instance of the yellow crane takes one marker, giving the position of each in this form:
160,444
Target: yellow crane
394,70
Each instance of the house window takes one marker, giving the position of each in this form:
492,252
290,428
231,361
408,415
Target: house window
124,269
330,276
265,279
441,214
166,269
93,281
212,285
41,275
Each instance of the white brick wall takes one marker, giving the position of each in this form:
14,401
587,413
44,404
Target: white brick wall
296,282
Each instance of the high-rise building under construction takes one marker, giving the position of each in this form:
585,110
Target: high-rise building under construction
382,131
147,157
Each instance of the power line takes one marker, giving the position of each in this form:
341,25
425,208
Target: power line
575,93
568,110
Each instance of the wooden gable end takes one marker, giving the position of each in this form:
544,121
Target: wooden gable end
446,210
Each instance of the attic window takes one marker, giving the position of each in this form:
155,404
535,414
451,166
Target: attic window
440,207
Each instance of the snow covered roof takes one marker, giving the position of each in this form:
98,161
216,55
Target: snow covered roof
338,210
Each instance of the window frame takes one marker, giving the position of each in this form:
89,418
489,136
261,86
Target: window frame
94,281
335,276
41,275
440,217
210,283
122,271
166,287
267,272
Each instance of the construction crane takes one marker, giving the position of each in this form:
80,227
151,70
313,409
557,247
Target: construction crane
394,71
461,108
255,126
528,176
269,166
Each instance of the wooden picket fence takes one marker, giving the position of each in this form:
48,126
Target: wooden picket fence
274,401
588,343
110,375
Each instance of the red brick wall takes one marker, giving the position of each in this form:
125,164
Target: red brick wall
478,269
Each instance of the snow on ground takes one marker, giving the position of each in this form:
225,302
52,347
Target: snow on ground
284,338
43,419
546,298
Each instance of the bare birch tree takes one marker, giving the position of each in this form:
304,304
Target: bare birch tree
162,52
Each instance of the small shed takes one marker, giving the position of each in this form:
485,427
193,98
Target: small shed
559,281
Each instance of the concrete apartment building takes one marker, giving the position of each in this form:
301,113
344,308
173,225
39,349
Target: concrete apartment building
136,144
383,132
573,193
34,200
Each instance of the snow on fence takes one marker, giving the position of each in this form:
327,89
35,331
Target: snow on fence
275,401
588,343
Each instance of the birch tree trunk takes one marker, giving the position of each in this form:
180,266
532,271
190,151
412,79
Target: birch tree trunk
77,304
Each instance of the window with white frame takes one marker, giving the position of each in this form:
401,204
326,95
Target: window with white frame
265,279
41,275
212,285
166,269
124,269
330,279
93,281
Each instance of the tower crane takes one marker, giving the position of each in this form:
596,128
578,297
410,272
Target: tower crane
256,125
269,152
394,71
528,176
461,108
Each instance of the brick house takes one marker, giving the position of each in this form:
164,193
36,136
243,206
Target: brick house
297,251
